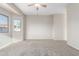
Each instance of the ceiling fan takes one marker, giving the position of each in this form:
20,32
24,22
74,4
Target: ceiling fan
38,5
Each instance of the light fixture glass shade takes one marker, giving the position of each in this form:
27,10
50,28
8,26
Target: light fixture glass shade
37,5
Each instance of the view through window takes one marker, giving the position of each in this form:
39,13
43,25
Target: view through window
4,24
17,25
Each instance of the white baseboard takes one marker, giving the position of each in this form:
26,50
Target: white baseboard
9,44
72,45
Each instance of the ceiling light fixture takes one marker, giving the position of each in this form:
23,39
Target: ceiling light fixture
37,6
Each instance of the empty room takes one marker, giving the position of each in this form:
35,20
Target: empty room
39,29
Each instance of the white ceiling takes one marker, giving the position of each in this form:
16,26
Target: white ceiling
52,8
10,7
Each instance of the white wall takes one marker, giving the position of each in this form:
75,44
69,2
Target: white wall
39,27
58,26
73,25
46,27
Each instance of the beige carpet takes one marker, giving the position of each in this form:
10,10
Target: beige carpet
39,48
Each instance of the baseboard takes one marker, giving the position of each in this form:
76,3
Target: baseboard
39,39
45,40
9,44
5,45
72,45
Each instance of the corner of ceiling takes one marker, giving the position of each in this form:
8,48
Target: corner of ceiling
12,8
15,8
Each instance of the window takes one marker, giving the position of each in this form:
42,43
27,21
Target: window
17,25
4,28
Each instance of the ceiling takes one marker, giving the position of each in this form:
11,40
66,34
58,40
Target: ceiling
52,8
11,8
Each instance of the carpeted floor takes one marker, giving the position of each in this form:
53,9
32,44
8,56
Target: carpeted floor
39,48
